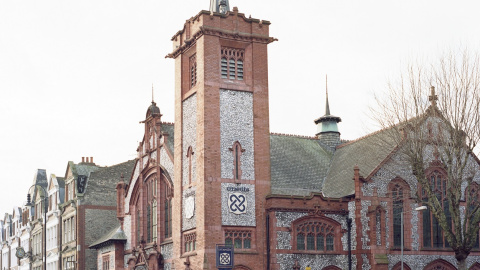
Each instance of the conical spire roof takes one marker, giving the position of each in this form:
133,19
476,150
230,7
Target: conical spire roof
328,122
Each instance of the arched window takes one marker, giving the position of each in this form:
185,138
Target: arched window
231,63
237,165
149,238
432,232
397,201
472,197
439,265
190,157
167,212
378,226
301,241
154,221
316,235
193,70
398,266
138,227
475,266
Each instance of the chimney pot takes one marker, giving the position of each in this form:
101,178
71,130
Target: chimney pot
83,159
91,159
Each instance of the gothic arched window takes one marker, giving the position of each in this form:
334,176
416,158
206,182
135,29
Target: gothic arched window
316,235
193,70
432,232
231,63
472,198
237,151
397,201
154,221
190,157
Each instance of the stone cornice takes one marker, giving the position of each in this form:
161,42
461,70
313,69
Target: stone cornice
222,33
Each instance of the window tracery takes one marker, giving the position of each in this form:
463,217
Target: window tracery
231,63
240,239
316,235
189,240
433,236
397,201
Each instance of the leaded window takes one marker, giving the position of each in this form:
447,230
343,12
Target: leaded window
190,241
397,200
240,239
433,235
138,226
154,221
315,235
149,237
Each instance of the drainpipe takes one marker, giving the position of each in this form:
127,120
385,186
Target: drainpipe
349,241
268,240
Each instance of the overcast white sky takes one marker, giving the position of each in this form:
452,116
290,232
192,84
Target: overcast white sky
76,76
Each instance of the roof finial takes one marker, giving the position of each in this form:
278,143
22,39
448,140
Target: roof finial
327,107
433,97
153,100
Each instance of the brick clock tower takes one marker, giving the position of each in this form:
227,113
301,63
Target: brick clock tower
222,143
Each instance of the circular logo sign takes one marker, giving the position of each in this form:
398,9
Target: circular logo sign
237,203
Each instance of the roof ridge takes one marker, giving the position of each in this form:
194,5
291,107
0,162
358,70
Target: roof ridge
167,123
294,135
363,137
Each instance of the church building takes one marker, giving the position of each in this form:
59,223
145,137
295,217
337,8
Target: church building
217,176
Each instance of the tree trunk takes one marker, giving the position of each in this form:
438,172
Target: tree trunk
461,257
462,264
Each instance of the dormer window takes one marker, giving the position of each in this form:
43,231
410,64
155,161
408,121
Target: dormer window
231,63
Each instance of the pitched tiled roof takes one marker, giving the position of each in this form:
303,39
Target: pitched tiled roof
169,129
100,188
298,165
117,234
367,153
84,168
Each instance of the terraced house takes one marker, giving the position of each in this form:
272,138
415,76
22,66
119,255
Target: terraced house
89,209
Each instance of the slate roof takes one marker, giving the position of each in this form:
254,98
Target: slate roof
83,168
61,188
117,234
170,130
302,165
367,153
101,183
298,165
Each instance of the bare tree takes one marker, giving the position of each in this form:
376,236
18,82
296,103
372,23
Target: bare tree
433,115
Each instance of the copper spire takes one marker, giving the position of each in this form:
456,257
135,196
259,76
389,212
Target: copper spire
327,106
